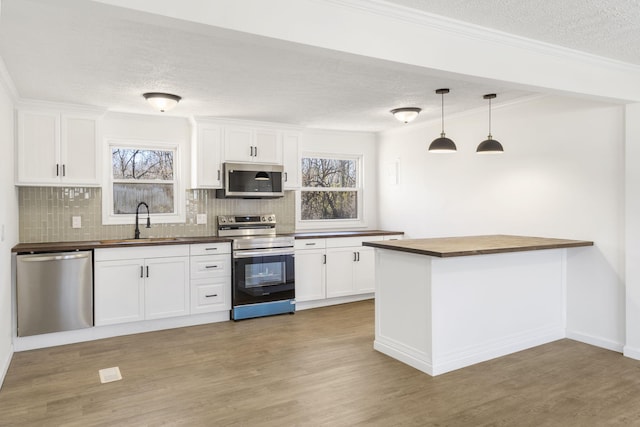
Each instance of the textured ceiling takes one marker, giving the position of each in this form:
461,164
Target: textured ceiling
84,52
609,28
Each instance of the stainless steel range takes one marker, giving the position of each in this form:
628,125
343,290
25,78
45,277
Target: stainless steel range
263,266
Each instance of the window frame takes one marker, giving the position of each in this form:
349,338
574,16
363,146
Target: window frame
108,215
357,222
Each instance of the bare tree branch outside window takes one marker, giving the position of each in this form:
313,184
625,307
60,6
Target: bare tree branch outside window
142,175
329,189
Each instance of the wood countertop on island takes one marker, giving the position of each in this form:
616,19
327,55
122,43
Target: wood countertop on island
444,247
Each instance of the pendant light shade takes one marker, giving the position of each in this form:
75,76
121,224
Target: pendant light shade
490,145
162,101
407,114
442,144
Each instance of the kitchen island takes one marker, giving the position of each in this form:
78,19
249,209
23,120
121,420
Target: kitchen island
446,303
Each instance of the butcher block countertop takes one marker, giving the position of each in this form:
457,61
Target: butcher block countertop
332,234
112,243
445,247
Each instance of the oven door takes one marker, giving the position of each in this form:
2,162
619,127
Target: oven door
263,275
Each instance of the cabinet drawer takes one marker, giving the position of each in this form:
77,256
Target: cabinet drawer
207,296
151,251
207,266
310,243
345,242
210,248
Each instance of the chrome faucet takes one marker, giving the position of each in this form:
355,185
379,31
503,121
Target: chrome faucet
137,232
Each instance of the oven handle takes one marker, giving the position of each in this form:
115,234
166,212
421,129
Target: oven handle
263,252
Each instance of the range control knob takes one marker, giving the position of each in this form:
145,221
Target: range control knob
232,219
263,219
270,219
222,220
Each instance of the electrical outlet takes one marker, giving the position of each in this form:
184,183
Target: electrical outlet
201,218
76,222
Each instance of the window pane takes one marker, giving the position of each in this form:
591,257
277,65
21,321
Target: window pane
329,205
328,173
128,163
126,197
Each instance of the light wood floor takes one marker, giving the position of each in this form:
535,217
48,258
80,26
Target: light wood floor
314,368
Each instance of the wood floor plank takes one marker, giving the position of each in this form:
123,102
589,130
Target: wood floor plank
314,368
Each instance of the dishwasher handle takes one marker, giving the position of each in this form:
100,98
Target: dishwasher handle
54,257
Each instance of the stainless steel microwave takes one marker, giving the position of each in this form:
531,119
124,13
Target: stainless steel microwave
252,181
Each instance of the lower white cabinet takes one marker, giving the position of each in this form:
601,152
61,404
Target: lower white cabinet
335,267
142,283
210,277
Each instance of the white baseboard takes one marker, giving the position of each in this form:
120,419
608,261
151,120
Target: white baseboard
633,353
4,368
305,305
403,357
595,341
108,331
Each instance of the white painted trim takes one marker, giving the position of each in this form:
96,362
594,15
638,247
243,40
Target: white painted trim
420,365
59,106
241,122
4,368
306,305
630,352
100,332
597,341
477,32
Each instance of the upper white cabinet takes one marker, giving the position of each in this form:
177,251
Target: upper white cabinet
247,144
58,148
291,160
206,155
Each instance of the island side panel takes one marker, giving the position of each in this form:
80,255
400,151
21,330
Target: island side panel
403,308
488,306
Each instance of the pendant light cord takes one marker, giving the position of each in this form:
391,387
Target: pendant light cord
489,117
442,110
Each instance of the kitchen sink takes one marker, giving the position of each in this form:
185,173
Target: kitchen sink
130,241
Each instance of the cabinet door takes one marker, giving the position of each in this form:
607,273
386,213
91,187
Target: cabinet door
291,160
340,263
79,150
310,275
238,144
364,271
267,147
38,148
166,287
119,291
207,157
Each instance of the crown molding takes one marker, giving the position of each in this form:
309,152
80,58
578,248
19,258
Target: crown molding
477,32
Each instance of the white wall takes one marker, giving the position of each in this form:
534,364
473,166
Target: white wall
349,143
562,175
8,220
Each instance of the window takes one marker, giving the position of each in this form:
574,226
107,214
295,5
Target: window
330,189
142,173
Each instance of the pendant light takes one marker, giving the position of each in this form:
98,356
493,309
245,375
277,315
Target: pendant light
406,114
489,145
442,144
162,101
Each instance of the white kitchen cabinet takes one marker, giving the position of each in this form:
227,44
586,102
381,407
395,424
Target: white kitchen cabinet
291,160
210,266
335,267
310,274
206,155
141,283
56,148
249,144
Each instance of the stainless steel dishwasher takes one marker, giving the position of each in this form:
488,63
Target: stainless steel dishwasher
54,292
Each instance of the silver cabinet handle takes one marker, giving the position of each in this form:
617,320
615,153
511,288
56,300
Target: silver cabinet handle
286,177
210,266
210,296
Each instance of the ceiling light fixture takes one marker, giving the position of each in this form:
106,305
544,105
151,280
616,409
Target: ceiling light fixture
490,145
442,144
406,114
162,101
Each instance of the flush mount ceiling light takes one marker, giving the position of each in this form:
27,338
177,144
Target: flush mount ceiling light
162,101
442,144
489,145
407,114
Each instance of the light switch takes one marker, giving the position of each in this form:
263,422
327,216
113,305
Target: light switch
76,222
201,218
